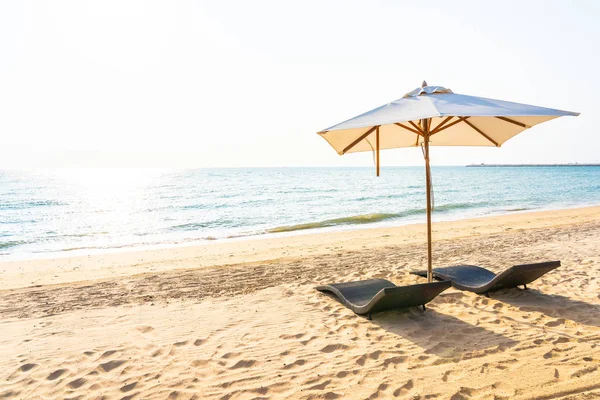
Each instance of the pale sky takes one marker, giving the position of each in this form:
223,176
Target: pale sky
249,83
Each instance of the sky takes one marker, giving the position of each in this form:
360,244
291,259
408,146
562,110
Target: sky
122,83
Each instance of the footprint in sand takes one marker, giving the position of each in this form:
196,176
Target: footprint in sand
342,374
295,364
109,366
404,389
561,339
333,347
199,342
556,351
77,383
584,371
27,367
320,386
381,388
157,353
243,364
305,342
451,376
128,387
108,353
375,355
500,390
199,363
56,374
144,328
556,322
296,336
468,392
394,360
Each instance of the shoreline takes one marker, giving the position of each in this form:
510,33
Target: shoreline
269,235
60,270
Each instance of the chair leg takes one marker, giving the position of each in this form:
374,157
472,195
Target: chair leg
525,286
369,317
424,307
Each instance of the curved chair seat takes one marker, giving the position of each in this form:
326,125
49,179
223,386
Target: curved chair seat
480,280
373,295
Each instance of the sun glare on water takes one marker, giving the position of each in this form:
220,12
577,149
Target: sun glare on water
114,187
105,202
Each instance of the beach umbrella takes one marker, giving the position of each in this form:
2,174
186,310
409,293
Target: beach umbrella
435,116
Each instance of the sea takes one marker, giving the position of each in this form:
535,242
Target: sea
66,212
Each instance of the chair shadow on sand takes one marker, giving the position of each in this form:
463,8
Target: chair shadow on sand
442,334
552,305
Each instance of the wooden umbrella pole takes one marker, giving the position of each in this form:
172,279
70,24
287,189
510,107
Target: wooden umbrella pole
428,185
377,145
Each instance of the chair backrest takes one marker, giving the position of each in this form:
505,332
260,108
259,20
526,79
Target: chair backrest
523,274
408,296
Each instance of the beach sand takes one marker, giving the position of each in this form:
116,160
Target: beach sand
241,320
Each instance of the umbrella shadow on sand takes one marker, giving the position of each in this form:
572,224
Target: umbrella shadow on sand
441,334
552,305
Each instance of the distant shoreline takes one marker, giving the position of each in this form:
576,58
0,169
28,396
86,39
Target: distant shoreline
533,165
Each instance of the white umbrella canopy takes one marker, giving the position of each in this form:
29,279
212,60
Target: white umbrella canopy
435,116
455,120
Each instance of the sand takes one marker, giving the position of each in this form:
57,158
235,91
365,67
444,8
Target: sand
241,320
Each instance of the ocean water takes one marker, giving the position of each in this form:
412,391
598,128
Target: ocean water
70,212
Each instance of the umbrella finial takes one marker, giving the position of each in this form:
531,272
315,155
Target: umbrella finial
424,84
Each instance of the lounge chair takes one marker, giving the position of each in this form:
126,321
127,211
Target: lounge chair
480,280
374,295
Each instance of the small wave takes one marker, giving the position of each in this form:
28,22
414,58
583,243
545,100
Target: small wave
354,220
43,203
371,218
106,247
193,206
518,209
54,235
190,226
85,234
194,226
12,243
30,204
384,197
207,205
460,206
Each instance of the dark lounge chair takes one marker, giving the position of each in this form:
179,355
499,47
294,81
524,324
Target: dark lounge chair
374,295
480,280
